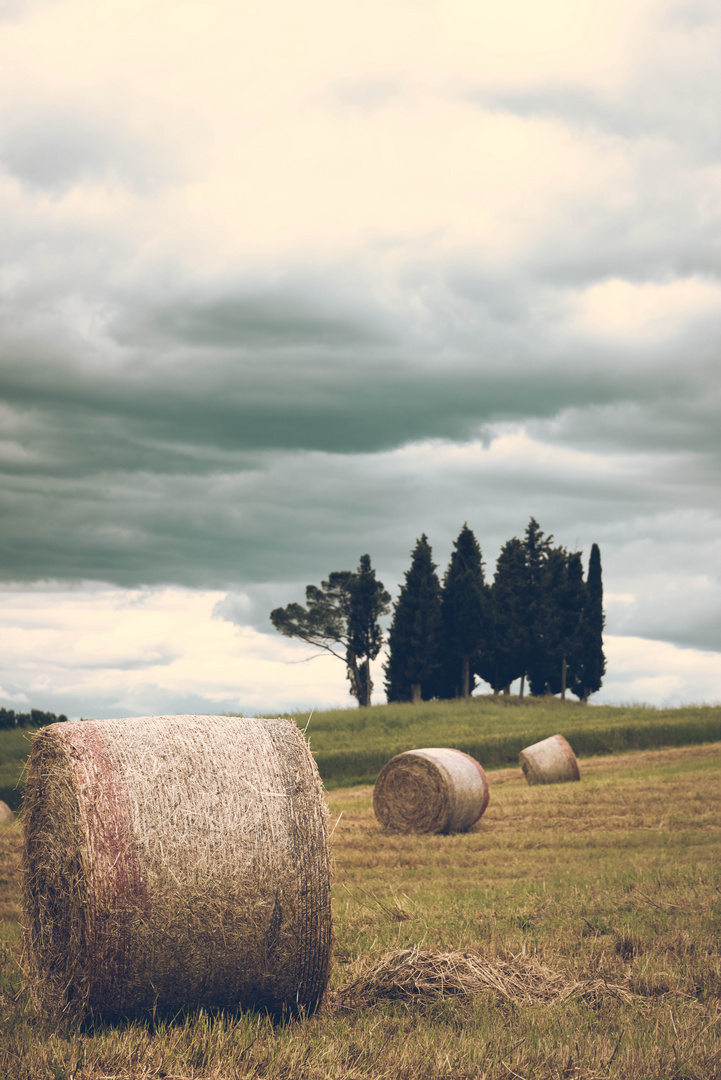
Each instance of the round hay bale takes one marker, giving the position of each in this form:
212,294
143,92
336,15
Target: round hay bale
172,862
550,761
6,815
435,790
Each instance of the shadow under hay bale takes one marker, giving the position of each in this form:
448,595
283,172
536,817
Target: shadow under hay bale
551,761
173,862
6,815
435,790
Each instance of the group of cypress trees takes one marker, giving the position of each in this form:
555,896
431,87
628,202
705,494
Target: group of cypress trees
538,620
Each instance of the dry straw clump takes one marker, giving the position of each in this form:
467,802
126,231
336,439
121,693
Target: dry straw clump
6,815
410,974
551,761
173,862
436,790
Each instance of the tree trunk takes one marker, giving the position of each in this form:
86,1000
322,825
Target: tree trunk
564,672
415,692
523,683
356,682
465,676
367,684
507,689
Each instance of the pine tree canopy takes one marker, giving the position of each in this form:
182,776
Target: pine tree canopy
341,617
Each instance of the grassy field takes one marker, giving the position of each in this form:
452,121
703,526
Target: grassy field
352,745
595,908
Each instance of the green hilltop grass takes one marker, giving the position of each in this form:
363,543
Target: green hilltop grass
351,746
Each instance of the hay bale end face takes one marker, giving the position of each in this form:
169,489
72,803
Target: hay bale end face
173,862
6,815
550,761
435,790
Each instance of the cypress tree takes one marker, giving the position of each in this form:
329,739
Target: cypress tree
544,671
572,600
591,662
503,660
368,601
415,636
465,608
537,548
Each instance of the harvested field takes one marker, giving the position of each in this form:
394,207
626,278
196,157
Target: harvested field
573,933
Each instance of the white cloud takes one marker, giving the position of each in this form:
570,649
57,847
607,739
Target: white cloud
647,311
112,652
657,673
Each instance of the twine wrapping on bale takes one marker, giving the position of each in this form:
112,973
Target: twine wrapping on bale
172,862
6,815
436,790
551,761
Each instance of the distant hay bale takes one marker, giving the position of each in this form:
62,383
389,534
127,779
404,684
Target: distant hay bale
436,790
6,815
551,761
172,862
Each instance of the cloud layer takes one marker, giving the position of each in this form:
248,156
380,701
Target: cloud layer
280,286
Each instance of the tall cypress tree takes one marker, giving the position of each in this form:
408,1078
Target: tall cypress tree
465,609
415,636
537,548
506,659
591,663
544,670
572,599
368,601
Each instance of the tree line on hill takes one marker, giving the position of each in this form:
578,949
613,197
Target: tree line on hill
539,621
35,718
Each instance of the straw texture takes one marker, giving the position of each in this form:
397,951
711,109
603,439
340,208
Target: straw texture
412,974
435,790
551,761
172,862
6,815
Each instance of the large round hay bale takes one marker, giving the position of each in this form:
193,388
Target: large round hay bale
437,790
6,815
172,862
550,761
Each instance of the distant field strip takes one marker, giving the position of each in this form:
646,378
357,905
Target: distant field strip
352,746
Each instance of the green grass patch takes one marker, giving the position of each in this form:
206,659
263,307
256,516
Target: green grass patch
14,750
351,746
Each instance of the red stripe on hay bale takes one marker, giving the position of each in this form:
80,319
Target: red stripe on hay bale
114,876
550,761
175,862
437,790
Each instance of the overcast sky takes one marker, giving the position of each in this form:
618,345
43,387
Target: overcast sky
282,284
